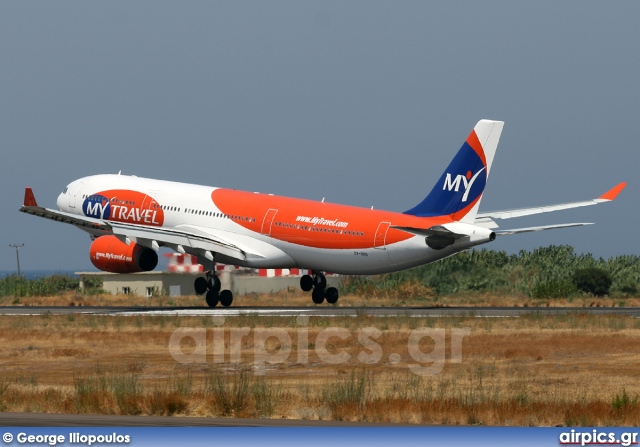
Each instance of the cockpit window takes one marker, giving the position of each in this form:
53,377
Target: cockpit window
64,191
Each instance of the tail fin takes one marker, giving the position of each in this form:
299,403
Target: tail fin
459,190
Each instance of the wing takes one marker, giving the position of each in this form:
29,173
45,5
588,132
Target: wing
486,219
85,223
183,238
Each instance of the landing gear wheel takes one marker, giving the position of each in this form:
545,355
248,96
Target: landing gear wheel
306,283
319,281
200,285
212,298
317,296
226,298
331,295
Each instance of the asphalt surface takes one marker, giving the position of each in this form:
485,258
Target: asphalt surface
322,311
97,420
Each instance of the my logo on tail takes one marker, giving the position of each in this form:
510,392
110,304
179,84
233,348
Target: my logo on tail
466,180
458,191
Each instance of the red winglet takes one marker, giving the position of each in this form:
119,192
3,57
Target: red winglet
613,192
29,199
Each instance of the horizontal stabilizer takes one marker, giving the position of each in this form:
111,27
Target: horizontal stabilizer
544,227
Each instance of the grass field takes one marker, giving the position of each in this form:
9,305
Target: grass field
406,296
554,370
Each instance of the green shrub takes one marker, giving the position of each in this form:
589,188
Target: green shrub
592,280
545,272
19,286
623,400
553,288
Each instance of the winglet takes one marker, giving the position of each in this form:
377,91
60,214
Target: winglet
613,192
29,198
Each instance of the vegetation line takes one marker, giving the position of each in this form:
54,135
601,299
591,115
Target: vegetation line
547,272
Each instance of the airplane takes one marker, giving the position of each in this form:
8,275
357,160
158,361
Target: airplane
129,218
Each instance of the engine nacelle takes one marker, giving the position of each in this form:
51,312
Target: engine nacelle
462,235
109,254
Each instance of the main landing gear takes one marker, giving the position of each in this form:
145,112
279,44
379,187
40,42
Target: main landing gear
211,287
319,285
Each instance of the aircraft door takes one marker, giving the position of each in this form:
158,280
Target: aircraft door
148,200
268,222
381,235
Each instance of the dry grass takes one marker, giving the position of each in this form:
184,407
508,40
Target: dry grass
295,297
79,300
570,369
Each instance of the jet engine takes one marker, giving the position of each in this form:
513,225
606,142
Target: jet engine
109,254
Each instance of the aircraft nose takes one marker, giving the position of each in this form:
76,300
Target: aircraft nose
60,201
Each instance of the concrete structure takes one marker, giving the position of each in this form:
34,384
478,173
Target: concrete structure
143,284
178,284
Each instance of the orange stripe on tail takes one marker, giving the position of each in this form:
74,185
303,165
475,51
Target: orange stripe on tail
474,142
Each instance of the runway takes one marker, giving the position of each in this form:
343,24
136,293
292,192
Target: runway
322,311
101,420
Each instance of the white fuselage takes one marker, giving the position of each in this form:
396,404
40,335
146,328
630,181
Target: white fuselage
270,231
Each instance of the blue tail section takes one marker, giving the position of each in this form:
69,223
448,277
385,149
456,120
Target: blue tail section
459,189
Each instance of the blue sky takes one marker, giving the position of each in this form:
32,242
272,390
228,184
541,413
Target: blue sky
361,102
